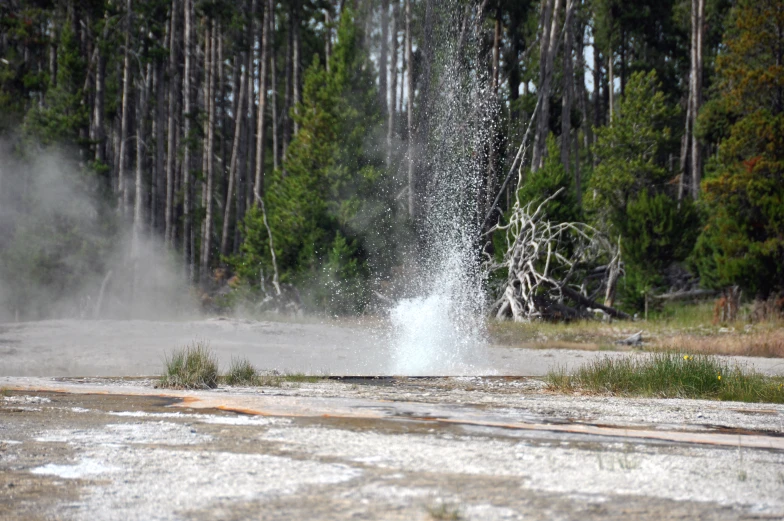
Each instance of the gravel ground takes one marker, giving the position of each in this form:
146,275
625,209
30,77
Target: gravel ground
403,448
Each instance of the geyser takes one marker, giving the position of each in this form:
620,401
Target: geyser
441,329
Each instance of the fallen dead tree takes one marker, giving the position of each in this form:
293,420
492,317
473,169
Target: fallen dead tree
551,268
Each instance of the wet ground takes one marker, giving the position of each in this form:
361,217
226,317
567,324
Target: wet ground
389,448
138,347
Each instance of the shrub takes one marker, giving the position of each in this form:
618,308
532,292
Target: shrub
192,367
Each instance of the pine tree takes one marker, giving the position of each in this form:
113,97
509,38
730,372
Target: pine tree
743,241
320,207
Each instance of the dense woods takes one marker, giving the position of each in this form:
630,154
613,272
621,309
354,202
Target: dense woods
281,148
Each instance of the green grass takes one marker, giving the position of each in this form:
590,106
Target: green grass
670,375
241,372
444,512
192,367
195,367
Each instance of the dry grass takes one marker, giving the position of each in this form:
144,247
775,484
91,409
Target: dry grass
768,344
677,327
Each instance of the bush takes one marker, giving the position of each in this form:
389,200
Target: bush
242,372
192,367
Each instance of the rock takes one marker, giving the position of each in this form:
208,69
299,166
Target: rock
634,340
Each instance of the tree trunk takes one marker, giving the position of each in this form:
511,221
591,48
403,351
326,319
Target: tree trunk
410,110
296,64
568,87
258,185
235,151
187,251
393,82
210,71
171,145
382,58
140,196
159,185
698,28
597,84
548,47
98,113
274,84
611,83
287,94
492,156
122,181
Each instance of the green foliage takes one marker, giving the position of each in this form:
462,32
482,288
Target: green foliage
327,193
656,231
743,241
192,367
241,372
632,150
543,183
64,114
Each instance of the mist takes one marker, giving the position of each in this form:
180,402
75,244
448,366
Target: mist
66,252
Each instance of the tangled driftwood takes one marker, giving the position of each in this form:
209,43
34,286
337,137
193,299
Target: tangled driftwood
552,269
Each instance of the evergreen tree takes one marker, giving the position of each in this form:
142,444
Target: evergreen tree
743,241
323,202
632,151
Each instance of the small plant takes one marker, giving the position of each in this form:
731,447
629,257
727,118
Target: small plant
742,475
670,375
444,512
192,367
242,372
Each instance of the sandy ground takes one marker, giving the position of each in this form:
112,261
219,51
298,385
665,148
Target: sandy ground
401,449
135,347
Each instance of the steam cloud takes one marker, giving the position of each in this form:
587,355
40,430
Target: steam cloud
61,242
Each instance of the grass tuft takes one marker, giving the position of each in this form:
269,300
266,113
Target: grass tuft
192,367
242,372
670,375
444,512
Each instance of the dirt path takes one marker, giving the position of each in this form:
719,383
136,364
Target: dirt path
486,448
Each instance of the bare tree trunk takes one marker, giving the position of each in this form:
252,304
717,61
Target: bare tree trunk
393,82
210,70
171,145
187,114
548,47
122,181
568,87
140,196
249,143
258,185
698,21
296,65
492,159
597,83
98,113
274,83
382,59
235,151
288,83
611,83
410,110
685,146
159,185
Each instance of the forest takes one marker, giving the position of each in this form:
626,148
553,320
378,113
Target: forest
277,152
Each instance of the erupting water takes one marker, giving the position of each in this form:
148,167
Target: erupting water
441,330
